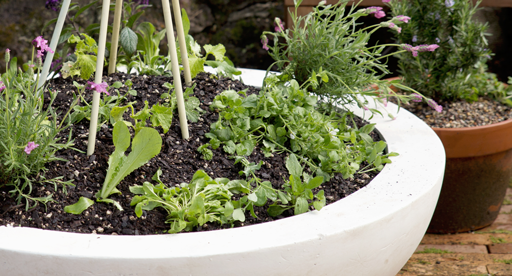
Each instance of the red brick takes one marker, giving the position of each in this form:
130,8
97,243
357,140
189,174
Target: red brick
502,248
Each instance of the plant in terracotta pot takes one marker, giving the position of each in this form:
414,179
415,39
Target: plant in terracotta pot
474,125
253,154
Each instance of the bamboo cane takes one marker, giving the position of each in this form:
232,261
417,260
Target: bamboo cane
115,37
54,43
175,69
98,77
182,41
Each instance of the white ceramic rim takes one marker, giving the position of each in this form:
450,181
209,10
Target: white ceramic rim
405,190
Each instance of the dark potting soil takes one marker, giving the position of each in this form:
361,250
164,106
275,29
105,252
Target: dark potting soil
178,159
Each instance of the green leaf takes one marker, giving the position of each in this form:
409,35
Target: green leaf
218,51
161,116
85,64
146,144
293,165
301,206
315,182
128,40
77,208
238,214
133,18
228,209
117,113
185,21
196,65
276,210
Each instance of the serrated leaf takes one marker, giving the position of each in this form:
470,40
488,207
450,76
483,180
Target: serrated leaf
161,116
218,51
82,204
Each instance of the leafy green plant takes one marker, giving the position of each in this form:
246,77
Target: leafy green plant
285,114
191,204
298,194
456,69
28,131
84,64
146,144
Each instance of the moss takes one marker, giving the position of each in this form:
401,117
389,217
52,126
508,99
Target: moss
433,251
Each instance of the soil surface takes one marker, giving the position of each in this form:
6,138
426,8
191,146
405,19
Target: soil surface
178,159
461,113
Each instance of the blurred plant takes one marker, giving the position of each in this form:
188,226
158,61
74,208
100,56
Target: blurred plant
457,69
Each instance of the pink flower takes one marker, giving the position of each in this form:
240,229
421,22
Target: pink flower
7,50
417,97
426,47
386,1
99,87
365,108
30,147
40,54
278,25
264,41
41,43
380,14
403,18
376,11
435,106
409,48
391,25
2,86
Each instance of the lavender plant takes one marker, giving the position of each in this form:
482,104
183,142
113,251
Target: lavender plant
28,129
457,69
328,40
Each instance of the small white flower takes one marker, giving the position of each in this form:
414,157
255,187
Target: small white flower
292,136
449,3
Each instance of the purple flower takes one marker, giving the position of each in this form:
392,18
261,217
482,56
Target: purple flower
365,108
415,38
2,86
403,18
278,25
386,1
435,106
417,98
30,147
99,87
264,41
52,4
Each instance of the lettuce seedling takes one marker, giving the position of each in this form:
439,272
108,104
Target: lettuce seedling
146,144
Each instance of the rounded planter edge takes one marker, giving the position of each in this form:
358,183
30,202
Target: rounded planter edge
371,232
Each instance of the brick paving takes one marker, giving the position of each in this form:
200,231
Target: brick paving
487,252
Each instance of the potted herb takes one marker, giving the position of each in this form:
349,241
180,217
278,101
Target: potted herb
474,125
280,133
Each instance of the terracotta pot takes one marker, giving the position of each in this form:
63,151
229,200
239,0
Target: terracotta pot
477,174
478,171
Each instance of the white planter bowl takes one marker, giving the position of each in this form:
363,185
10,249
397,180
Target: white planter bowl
371,232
